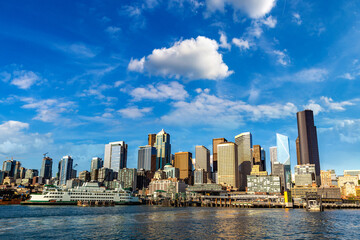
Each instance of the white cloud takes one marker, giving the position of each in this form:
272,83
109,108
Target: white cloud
252,8
282,57
223,41
191,59
296,18
337,106
14,138
348,129
79,50
316,108
113,31
97,92
269,21
22,79
50,110
306,75
173,91
347,76
241,43
134,112
207,109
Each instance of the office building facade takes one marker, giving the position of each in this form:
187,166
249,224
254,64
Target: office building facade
183,161
46,168
244,146
228,171
163,149
308,143
147,158
273,157
202,158
96,163
115,156
151,139
215,143
283,157
128,178
65,169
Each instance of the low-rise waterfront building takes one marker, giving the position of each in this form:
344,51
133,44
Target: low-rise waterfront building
171,185
263,184
329,192
200,176
300,191
348,190
342,180
170,171
326,178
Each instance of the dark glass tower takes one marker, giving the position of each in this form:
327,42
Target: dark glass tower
308,144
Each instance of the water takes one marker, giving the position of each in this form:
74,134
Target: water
148,222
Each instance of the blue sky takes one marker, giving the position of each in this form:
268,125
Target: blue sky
77,75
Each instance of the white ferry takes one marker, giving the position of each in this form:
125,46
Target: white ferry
89,192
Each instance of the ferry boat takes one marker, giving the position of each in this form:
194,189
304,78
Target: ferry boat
89,191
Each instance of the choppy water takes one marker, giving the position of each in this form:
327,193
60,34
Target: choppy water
147,222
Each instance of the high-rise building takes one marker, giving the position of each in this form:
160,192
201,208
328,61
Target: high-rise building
85,176
9,167
17,170
305,174
279,170
65,169
202,158
151,139
228,172
46,168
128,178
31,173
309,151
163,149
147,158
96,163
216,141
244,146
273,157
258,157
297,142
183,161
283,157
200,176
105,174
115,156
22,172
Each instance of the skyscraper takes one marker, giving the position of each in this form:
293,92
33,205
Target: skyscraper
115,156
183,161
283,157
46,168
216,141
17,170
65,169
163,149
258,157
273,157
298,151
308,144
9,167
202,158
244,145
151,139
96,163
147,158
228,172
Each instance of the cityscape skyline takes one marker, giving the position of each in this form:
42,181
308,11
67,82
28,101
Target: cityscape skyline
74,76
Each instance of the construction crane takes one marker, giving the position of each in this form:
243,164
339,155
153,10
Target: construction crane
45,154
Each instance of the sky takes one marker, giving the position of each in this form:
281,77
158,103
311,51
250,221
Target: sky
75,75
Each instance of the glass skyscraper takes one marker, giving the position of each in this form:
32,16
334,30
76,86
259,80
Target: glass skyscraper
65,169
147,158
96,163
115,156
244,145
46,168
163,149
283,156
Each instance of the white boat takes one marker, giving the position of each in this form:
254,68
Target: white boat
89,191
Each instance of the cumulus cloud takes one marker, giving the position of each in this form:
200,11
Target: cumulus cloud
269,21
241,43
327,104
134,112
97,92
190,59
315,107
347,76
14,138
223,41
348,129
49,110
253,8
23,79
161,91
296,18
206,109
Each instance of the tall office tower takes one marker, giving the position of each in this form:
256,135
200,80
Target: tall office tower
128,178
183,161
9,167
17,170
273,157
258,157
65,169
151,139
263,159
228,171
147,158
283,157
163,149
115,156
297,142
308,144
244,145
46,168
22,172
31,173
96,163
216,141
202,158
